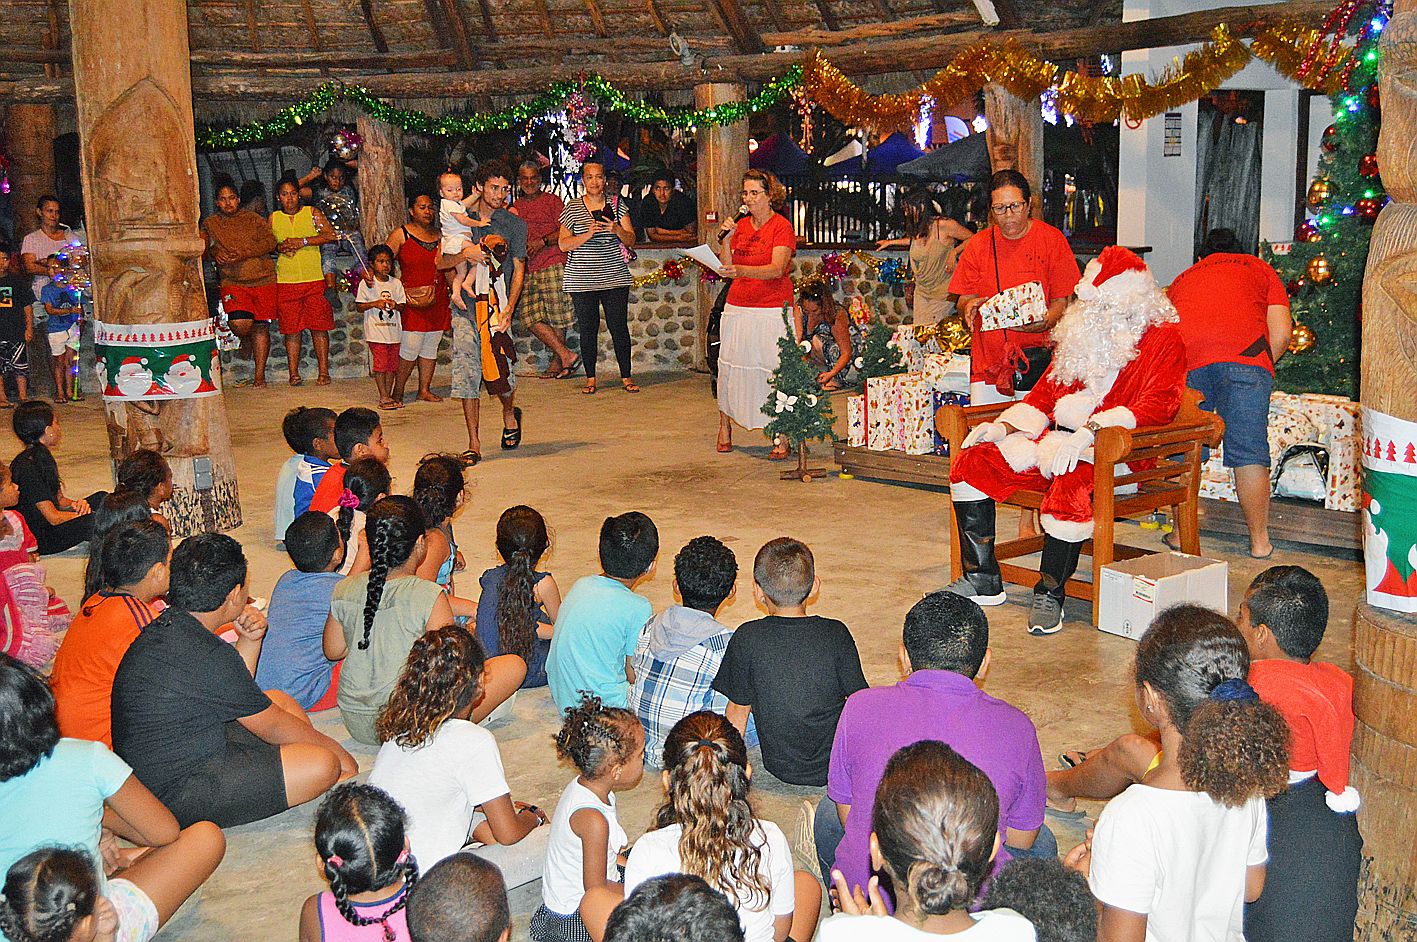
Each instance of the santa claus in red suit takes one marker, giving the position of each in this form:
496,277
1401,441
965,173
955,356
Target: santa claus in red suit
1119,362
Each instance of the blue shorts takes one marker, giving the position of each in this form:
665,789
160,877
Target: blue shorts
1239,394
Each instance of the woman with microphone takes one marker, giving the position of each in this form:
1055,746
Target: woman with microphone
756,256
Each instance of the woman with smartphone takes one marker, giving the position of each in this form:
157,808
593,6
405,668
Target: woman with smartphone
595,233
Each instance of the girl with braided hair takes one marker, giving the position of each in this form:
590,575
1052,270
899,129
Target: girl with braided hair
376,616
706,827
935,832
360,837
366,481
518,605
587,843
1176,855
440,489
446,770
54,895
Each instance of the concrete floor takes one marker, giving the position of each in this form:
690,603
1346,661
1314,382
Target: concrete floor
878,548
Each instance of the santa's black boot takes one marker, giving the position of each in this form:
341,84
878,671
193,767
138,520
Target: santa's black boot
1060,561
981,580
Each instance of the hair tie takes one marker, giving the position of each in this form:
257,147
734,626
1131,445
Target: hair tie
70,906
703,742
335,860
402,858
347,499
1235,689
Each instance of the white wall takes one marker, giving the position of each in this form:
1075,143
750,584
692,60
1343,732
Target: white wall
1157,194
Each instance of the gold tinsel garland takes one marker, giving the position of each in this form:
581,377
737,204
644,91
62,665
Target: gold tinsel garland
1087,98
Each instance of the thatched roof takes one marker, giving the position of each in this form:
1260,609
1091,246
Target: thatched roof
305,39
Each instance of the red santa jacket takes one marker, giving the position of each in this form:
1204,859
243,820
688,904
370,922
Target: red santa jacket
1147,391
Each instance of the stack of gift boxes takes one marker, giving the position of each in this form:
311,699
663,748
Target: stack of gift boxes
1330,421
897,413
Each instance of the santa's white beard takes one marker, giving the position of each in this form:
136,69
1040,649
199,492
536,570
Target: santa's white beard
1096,338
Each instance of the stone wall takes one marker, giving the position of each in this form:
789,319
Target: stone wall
663,325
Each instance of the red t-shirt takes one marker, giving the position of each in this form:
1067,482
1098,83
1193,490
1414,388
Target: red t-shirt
990,263
82,680
753,246
542,215
1224,304
328,491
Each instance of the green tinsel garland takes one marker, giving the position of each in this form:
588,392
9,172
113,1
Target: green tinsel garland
553,99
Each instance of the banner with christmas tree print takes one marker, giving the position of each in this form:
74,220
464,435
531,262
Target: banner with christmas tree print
1390,510
157,361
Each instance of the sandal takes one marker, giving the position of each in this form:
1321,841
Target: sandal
469,458
589,388
779,453
512,437
242,383
566,371
1072,759
630,385
323,379
296,380
389,405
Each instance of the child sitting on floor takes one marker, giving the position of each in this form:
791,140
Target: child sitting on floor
57,521
147,474
1315,850
680,650
360,839
35,618
444,769
382,300
519,604
1176,855
606,745
292,659
792,670
440,488
358,434
599,624
56,895
1052,897
366,482
131,576
461,899
310,433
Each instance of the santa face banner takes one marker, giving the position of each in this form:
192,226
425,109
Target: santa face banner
157,361
1390,510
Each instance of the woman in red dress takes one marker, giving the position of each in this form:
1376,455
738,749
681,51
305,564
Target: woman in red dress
427,315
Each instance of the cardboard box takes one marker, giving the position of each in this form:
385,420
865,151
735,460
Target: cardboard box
1135,590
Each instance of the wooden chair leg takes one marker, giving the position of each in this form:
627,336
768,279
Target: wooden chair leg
1188,526
1103,553
956,566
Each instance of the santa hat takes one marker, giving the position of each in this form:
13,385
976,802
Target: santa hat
134,361
1117,273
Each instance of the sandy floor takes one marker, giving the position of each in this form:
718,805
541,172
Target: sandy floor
878,549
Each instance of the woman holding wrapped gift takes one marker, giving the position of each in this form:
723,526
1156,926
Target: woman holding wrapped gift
756,257
1015,251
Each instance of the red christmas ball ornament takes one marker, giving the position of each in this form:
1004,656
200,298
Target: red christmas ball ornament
1367,209
1308,231
1330,138
1374,97
1368,165
1294,286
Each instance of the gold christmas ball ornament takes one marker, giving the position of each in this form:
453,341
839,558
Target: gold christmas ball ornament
1302,339
1319,271
1319,192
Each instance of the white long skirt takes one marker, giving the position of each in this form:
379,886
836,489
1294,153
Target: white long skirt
747,358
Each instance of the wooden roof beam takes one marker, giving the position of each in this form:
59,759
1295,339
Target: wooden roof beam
775,13
450,29
253,29
828,17
597,19
661,23
745,37
489,27
366,9
909,25
891,55
1009,17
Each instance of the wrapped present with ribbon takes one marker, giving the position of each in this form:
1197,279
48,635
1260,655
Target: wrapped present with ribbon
1338,421
939,444
856,421
1217,482
911,351
914,414
1014,307
879,415
947,372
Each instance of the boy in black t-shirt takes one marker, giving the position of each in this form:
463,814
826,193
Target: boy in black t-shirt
16,327
793,670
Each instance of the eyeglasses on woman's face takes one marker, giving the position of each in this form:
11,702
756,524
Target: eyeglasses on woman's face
1007,209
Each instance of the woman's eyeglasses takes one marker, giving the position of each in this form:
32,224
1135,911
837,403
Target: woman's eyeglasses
1007,208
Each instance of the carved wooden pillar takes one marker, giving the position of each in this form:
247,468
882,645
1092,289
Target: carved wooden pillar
30,133
134,94
381,199
1385,627
723,157
1015,138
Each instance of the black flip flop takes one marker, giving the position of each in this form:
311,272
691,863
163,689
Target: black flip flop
512,437
1066,760
469,458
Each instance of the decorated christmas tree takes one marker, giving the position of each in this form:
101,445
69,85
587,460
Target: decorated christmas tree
879,357
797,408
1324,270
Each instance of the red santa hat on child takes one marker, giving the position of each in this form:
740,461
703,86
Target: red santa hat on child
1117,273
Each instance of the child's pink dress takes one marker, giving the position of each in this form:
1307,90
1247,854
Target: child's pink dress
32,622
335,928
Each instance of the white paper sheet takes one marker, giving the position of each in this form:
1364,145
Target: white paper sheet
704,256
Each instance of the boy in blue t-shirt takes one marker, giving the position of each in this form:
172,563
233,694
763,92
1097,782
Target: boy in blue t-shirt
293,657
65,311
598,626
310,433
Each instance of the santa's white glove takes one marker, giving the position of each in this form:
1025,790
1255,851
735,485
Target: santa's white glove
986,432
1067,456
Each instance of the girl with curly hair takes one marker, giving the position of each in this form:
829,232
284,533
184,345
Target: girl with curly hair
366,482
934,834
376,616
360,837
587,843
706,827
440,489
444,769
1176,855
518,605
